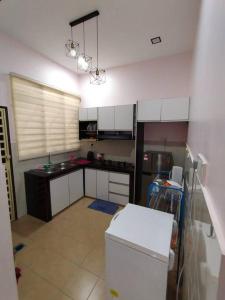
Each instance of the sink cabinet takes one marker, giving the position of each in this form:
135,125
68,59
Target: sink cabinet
46,196
76,186
49,194
59,194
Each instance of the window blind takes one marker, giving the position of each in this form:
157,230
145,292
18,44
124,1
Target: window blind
46,119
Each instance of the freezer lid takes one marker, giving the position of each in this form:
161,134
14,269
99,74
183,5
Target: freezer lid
143,229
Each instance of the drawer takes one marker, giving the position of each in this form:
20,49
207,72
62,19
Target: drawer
119,199
119,177
119,188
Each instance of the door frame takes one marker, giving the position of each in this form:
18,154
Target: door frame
11,160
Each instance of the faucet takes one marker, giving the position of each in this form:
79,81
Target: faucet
49,159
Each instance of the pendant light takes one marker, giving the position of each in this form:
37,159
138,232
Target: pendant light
84,61
72,47
97,75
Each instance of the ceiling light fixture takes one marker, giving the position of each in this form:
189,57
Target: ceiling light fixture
97,75
72,47
84,61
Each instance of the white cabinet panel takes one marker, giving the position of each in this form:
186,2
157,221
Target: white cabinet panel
149,110
119,188
119,178
119,199
175,109
76,188
106,118
90,183
59,194
102,185
92,114
124,117
83,114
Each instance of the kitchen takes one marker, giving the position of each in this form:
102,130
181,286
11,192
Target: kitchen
147,106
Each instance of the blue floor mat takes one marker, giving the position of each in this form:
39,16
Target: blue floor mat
104,206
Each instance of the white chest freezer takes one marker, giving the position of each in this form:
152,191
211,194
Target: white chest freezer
137,254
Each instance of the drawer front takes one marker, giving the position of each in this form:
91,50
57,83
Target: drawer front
119,189
119,199
119,178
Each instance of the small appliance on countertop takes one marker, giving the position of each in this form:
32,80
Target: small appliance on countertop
90,155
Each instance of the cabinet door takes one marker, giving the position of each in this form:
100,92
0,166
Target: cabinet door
149,110
92,114
90,183
176,109
83,114
124,117
76,186
102,185
59,193
106,118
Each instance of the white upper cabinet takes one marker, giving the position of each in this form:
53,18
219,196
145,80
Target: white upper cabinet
106,118
92,114
124,117
83,114
166,110
88,114
149,110
176,109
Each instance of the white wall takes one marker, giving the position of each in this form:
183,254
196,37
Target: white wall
163,77
17,58
207,126
8,287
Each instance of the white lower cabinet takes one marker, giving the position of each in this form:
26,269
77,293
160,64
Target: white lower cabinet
119,199
102,185
59,194
91,183
119,188
76,187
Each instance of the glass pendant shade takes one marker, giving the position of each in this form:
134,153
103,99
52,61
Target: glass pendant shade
84,62
72,49
97,76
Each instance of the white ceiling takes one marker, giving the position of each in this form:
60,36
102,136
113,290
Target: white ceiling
125,27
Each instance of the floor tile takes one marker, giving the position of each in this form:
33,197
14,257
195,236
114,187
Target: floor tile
53,267
63,258
95,262
98,292
26,225
32,286
73,250
61,296
80,284
18,239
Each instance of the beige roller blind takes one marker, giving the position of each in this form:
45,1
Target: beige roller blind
46,119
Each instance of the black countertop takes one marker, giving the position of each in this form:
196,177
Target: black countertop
69,167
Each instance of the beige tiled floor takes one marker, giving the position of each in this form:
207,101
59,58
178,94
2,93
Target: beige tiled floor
62,259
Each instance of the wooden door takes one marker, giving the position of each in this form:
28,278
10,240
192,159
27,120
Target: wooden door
7,161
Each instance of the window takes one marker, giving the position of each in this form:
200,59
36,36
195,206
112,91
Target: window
46,119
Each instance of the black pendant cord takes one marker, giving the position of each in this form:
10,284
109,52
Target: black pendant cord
97,39
84,37
71,32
